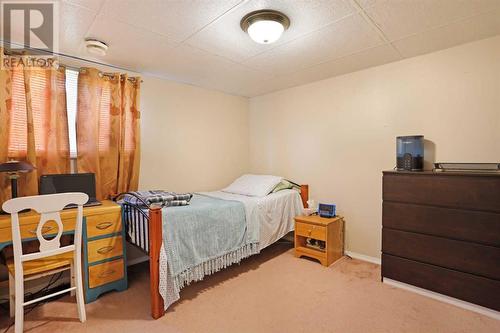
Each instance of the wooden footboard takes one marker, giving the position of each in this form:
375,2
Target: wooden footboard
155,242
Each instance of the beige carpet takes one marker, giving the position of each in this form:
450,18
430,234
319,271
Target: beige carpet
271,292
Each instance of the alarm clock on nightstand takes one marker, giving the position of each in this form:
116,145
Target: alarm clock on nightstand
327,210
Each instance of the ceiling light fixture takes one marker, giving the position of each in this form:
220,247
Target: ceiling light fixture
96,47
265,26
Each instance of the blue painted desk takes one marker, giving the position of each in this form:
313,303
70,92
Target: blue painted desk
103,256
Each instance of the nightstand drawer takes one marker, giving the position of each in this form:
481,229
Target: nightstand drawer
104,248
104,224
105,273
310,230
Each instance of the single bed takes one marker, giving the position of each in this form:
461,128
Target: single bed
216,230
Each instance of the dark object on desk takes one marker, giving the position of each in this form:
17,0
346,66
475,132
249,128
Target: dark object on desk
71,182
467,167
410,152
441,232
13,169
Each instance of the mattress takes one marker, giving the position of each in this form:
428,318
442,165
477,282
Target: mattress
274,213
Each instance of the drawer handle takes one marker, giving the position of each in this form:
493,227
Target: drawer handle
104,225
44,230
106,273
105,249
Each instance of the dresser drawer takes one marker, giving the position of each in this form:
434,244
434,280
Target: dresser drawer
468,225
104,224
458,255
310,230
106,273
474,192
467,287
105,248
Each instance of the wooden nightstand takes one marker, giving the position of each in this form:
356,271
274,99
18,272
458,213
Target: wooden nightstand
329,230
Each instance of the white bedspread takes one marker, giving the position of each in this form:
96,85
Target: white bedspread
274,213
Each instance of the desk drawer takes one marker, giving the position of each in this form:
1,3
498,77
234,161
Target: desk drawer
310,230
101,249
105,273
104,224
49,228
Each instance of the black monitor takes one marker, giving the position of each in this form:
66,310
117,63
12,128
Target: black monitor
71,182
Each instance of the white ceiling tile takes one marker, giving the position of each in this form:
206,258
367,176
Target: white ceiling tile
74,22
376,56
176,19
399,19
477,27
326,37
189,65
224,37
94,5
347,36
129,46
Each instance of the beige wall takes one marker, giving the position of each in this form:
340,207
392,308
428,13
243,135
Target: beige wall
339,134
193,139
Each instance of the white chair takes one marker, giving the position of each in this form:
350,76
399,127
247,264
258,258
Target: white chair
51,258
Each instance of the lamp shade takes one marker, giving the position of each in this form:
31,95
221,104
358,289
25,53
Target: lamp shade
16,166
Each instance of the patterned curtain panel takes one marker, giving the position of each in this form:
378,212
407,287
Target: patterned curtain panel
5,106
33,109
107,130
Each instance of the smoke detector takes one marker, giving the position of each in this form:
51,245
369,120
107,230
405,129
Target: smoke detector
96,47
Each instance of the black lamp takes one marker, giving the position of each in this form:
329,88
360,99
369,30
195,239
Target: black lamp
13,169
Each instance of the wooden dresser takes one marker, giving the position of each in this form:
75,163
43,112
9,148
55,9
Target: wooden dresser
103,255
441,232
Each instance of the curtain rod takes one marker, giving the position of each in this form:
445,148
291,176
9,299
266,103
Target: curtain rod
72,57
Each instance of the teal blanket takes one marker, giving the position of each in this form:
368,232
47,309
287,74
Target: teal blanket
206,236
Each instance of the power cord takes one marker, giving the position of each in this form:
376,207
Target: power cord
53,279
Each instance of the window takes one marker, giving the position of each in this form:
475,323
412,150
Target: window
71,106
17,135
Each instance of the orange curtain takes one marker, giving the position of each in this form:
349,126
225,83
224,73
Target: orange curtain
108,130
33,109
5,106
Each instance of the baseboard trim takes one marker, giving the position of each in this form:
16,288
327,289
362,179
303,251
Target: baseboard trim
443,298
363,257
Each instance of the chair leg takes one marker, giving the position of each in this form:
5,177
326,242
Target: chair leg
19,320
72,278
12,295
79,290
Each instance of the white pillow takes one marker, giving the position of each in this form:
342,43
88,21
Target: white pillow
253,185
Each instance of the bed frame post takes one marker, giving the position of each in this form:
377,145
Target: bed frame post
304,194
155,241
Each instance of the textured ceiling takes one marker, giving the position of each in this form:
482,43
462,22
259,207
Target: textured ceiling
200,42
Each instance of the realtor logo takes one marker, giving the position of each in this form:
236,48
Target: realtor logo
30,27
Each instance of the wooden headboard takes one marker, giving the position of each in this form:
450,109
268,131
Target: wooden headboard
304,194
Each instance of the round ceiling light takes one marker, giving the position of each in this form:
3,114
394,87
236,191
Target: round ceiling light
265,26
96,47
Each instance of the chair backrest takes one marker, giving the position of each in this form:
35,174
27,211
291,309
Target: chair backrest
49,207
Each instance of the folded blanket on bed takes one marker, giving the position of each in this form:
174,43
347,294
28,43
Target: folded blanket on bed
202,239
164,198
